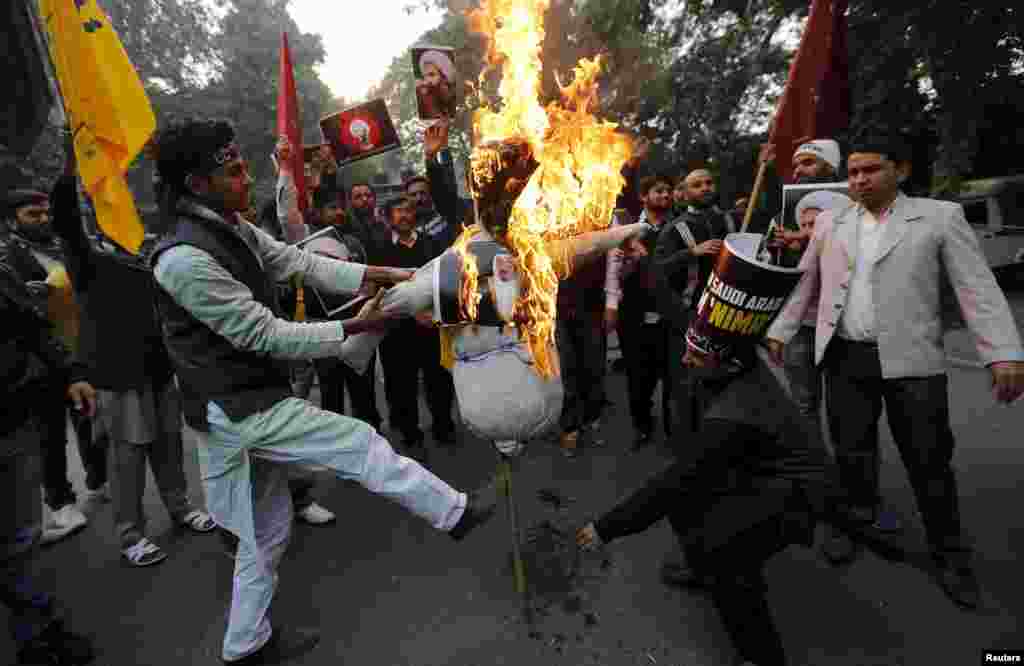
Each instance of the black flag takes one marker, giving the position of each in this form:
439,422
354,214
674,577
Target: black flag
21,52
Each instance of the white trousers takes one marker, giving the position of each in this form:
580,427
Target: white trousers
244,469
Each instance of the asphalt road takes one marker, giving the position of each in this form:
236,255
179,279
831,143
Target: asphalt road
387,590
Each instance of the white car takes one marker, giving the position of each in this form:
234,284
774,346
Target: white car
995,210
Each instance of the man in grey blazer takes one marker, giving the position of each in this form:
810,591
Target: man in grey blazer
874,269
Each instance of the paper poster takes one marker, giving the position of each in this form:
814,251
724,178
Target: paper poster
360,132
436,81
741,299
792,194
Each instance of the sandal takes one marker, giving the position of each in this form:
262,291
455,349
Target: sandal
199,521
144,553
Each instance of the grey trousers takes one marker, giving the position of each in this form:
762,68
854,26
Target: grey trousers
144,426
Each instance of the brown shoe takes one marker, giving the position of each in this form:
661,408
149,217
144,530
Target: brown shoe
569,441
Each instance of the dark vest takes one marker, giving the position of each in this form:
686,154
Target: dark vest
209,367
705,226
638,289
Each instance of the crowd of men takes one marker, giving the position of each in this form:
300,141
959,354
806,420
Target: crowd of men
205,328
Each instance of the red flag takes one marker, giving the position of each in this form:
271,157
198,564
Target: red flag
816,101
288,124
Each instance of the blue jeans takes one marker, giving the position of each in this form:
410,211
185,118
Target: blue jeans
243,465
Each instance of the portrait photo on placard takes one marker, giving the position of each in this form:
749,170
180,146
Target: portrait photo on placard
436,81
792,195
360,132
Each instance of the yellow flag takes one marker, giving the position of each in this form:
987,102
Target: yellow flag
107,109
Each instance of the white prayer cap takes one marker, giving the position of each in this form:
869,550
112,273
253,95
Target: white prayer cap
825,149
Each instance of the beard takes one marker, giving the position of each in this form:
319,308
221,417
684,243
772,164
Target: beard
37,233
704,202
425,214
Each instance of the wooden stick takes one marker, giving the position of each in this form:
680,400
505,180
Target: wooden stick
518,566
752,202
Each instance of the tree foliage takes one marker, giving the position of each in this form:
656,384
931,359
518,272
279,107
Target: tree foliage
701,77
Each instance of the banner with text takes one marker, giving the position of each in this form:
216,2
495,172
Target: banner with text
742,297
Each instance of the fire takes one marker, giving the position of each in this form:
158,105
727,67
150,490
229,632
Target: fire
579,159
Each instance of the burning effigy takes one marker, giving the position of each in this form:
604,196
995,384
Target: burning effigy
544,181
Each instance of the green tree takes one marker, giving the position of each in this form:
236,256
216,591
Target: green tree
173,44
245,88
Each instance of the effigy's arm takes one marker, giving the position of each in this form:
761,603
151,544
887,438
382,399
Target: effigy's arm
568,254
405,299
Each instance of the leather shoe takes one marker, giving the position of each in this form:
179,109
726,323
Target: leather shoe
445,437
959,583
569,441
480,508
838,548
57,645
680,574
284,644
643,438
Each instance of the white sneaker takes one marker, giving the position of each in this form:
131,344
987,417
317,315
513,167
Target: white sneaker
63,522
101,494
314,514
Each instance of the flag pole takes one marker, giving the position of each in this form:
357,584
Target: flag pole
35,18
758,184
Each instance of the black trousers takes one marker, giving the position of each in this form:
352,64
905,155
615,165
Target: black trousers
918,415
302,493
685,393
408,351
336,377
644,348
739,591
53,419
729,530
582,353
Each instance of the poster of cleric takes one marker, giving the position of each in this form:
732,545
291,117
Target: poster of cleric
436,81
360,132
742,297
820,196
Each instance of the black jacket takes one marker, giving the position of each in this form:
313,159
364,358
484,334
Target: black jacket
31,357
209,367
673,261
757,456
120,347
444,226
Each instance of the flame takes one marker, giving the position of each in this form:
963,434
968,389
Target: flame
469,296
578,178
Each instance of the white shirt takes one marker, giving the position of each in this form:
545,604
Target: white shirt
396,239
858,319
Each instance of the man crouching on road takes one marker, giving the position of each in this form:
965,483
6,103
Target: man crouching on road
230,347
754,481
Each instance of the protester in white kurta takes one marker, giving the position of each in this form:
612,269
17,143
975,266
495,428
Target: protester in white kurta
243,456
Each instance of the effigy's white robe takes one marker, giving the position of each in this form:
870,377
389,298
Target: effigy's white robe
501,397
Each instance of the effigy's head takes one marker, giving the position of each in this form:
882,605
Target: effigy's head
499,171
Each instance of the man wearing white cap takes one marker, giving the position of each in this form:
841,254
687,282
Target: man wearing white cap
816,161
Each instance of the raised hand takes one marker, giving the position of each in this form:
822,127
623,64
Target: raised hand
435,139
1007,381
